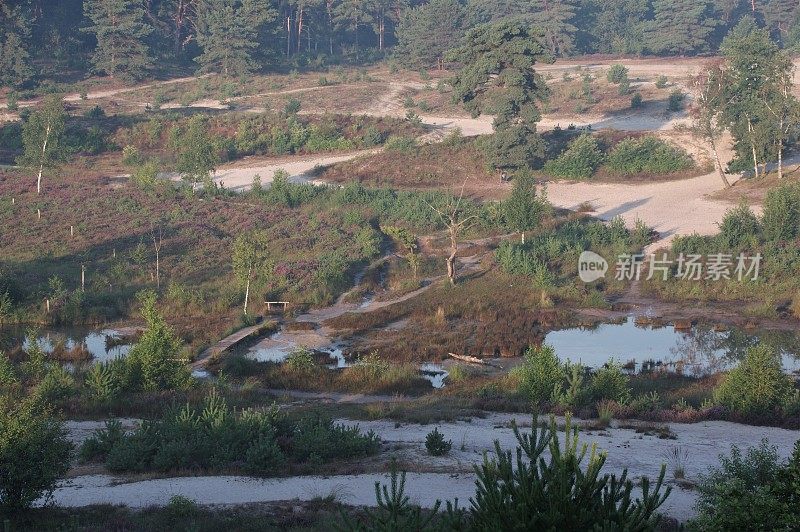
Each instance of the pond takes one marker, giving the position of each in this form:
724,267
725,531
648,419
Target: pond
700,350
103,344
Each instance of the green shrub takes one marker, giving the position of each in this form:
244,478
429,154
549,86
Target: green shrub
301,360
781,218
401,144
99,444
636,101
757,385
155,359
610,383
527,491
580,160
675,101
617,74
435,443
215,437
131,156
540,374
753,491
647,154
661,82
739,228
8,375
34,452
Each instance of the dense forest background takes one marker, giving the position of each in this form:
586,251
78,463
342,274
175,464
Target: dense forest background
57,40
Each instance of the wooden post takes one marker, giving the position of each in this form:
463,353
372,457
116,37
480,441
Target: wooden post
47,304
83,278
13,201
38,214
71,230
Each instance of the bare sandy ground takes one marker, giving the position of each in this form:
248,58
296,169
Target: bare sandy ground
440,477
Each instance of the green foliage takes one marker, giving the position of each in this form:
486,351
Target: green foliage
675,101
197,158
681,27
214,436
636,101
502,56
610,383
121,31
781,215
435,443
426,32
739,228
131,156
750,491
401,144
154,362
527,491
34,452
523,210
757,385
661,82
647,154
617,74
8,375
579,161
540,374
302,360
43,136
102,441
227,32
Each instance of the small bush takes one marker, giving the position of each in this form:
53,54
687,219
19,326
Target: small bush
661,82
580,160
401,144
540,374
617,74
636,101
301,360
131,156
647,154
34,453
757,385
739,228
750,491
781,218
675,101
292,107
436,444
609,382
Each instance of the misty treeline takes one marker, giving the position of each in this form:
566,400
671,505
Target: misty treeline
129,39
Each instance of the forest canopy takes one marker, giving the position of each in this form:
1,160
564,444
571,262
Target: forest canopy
131,39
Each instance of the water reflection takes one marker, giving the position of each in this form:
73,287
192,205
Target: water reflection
102,345
700,350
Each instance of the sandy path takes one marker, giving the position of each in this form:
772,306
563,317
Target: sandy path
439,477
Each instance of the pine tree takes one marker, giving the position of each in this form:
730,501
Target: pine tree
351,15
553,19
499,59
15,67
681,26
120,29
426,32
228,34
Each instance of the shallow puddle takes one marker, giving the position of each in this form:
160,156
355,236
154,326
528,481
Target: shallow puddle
99,343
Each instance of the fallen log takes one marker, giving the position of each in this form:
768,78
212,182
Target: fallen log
473,360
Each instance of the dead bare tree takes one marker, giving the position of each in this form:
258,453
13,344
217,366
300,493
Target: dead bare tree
451,217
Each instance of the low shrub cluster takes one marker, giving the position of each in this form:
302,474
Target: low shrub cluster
649,155
586,155
753,490
543,485
216,437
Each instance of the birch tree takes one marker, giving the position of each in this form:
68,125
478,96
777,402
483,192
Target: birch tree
42,136
710,91
251,263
